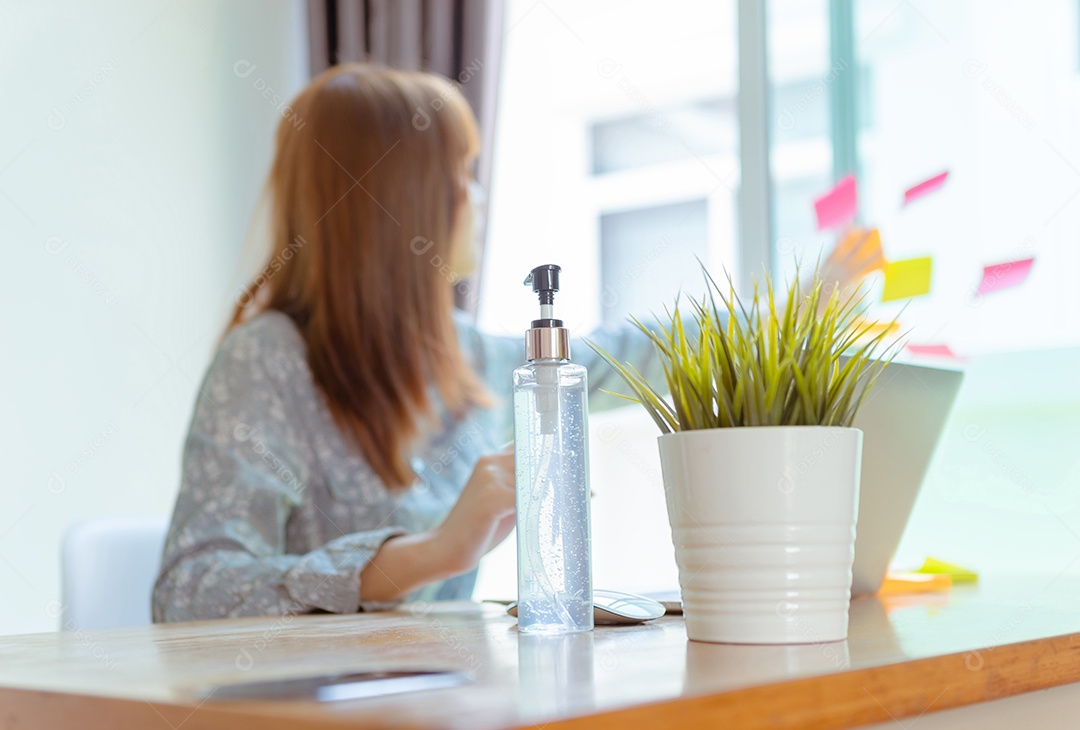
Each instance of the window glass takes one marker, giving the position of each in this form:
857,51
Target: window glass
699,128
988,91
801,159
616,157
611,114
633,247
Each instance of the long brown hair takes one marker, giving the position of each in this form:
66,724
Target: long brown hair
369,172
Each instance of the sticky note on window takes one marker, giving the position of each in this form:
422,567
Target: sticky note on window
870,330
932,351
1003,276
907,278
933,566
925,187
913,582
858,254
837,207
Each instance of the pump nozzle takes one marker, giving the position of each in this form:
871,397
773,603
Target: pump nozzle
545,282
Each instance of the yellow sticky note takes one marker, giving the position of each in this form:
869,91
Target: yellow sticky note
870,330
907,278
933,566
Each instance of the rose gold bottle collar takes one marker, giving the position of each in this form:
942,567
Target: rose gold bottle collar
542,343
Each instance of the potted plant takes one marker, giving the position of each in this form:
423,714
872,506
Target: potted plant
760,462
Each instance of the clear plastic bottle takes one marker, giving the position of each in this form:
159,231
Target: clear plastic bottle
552,464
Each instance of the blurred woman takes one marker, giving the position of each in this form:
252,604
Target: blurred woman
344,449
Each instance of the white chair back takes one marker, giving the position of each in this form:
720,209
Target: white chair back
108,566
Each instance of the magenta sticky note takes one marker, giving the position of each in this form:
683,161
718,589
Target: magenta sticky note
925,187
837,207
1002,276
932,350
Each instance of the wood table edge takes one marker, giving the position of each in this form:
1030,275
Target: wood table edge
34,708
853,698
906,689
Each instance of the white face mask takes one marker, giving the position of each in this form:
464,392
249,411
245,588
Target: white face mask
465,248
478,203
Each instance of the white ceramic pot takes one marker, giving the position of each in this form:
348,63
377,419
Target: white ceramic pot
763,522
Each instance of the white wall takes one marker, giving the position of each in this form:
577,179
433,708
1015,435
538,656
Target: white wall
131,159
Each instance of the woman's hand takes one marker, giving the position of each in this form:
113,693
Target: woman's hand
483,516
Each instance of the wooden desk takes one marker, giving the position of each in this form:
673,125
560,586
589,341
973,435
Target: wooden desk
904,657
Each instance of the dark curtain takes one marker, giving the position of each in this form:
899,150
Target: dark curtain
460,39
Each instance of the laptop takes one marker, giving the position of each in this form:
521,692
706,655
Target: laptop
901,420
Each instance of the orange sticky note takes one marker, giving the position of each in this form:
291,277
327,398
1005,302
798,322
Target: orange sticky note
907,278
858,254
914,583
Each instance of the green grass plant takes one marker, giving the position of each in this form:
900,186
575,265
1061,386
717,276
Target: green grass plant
767,364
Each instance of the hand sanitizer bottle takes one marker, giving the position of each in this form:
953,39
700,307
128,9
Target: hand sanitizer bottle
551,458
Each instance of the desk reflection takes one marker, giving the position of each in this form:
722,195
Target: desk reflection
555,675
710,665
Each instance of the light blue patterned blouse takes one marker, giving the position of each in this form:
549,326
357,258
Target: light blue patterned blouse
277,514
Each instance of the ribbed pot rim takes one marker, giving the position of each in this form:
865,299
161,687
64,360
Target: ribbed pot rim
743,429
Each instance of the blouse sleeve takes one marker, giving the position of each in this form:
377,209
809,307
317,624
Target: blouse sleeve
496,357
245,467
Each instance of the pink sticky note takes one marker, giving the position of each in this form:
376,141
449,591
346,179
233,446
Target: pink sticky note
925,187
837,207
1002,276
933,350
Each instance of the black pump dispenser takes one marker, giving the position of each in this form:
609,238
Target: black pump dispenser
547,338
545,282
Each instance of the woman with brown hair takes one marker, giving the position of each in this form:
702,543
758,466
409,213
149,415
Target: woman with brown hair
343,452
